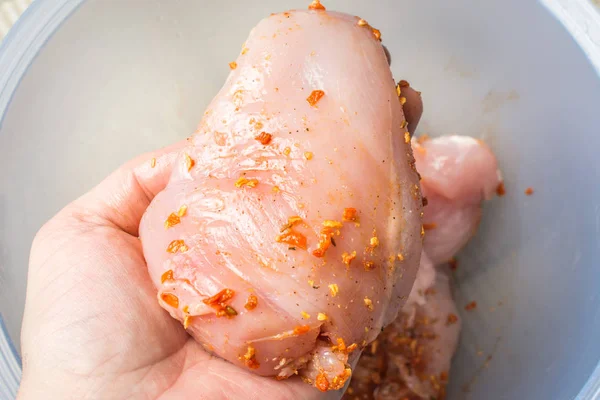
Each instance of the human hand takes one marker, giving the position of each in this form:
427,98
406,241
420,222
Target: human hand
93,328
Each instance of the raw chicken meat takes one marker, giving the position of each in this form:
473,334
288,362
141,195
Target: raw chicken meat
290,232
411,358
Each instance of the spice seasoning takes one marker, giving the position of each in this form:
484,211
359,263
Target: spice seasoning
314,97
264,138
177,246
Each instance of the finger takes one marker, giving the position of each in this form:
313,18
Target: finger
413,106
122,198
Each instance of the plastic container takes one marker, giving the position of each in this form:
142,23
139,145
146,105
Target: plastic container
84,87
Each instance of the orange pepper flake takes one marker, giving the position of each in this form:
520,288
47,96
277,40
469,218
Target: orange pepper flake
264,138
189,163
177,245
362,22
287,151
292,238
348,257
241,182
172,220
500,189
340,380
316,5
187,321
422,231
377,34
403,100
167,276
407,137
276,189
368,303
301,329
350,215
322,383
423,138
182,211
400,257
170,299
314,97
452,319
429,226
292,221
245,50
305,315
334,289
369,265
529,191
250,358
251,303
308,155
233,65
153,163
219,303
322,317
471,306
403,125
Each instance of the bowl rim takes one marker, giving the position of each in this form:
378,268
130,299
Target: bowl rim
41,20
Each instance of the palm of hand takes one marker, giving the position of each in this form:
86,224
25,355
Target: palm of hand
92,325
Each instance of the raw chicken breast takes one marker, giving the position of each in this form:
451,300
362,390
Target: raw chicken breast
411,359
290,231
458,173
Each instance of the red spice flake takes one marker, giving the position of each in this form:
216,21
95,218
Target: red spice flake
369,265
453,263
471,306
251,303
350,214
219,303
170,299
315,96
187,321
292,238
153,163
316,5
264,138
177,246
189,163
322,383
301,329
430,226
167,276
233,65
326,237
377,34
452,319
250,358
500,189
529,191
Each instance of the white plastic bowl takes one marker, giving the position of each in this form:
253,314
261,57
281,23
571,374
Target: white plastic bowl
85,86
